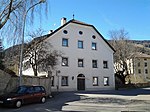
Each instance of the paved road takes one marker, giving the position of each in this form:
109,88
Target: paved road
135,100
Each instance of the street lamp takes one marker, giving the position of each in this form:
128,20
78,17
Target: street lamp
22,42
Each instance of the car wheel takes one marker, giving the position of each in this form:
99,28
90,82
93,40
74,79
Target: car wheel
18,104
43,100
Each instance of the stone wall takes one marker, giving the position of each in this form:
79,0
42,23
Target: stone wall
4,80
9,82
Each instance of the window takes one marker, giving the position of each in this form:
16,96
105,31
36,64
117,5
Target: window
94,63
30,90
52,80
94,46
146,71
80,32
65,31
105,64
139,71
94,37
145,64
138,64
80,44
64,61
106,81
37,89
80,63
95,81
64,81
65,42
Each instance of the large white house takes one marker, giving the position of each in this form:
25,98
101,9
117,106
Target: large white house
87,60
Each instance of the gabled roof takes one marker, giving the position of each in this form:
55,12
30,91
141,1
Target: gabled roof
80,23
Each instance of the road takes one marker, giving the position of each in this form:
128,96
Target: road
135,100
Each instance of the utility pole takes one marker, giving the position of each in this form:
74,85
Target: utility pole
22,42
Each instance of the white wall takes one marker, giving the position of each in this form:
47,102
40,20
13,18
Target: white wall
103,52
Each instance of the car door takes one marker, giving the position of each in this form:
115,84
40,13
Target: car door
37,93
29,95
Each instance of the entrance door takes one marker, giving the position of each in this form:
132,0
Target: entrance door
81,82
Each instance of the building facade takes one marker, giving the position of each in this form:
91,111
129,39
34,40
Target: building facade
87,58
139,68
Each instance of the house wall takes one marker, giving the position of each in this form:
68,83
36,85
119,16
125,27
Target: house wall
103,52
138,67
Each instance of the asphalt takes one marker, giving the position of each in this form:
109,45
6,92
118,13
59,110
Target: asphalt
133,100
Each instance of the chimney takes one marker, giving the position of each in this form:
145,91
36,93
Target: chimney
50,31
63,21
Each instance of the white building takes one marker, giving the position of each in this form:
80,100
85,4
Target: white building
87,60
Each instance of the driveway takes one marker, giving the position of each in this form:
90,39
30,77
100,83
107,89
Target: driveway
135,100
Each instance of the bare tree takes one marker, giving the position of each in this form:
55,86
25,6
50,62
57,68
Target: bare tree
124,50
1,54
39,54
12,13
11,58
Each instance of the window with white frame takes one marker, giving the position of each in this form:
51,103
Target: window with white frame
94,63
105,64
80,63
64,61
94,47
65,42
106,81
80,44
64,81
95,81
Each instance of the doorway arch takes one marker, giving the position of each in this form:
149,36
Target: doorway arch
81,82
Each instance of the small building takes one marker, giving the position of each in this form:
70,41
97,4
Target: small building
87,58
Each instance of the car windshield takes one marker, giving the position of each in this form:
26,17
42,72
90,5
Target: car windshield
19,90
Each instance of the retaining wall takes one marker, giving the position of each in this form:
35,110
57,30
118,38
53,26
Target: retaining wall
9,82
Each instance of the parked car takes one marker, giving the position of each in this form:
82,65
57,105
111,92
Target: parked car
23,95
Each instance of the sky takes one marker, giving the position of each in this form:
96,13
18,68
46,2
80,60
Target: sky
105,15
131,15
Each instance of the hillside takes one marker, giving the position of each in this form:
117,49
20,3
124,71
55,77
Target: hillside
142,46
145,43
